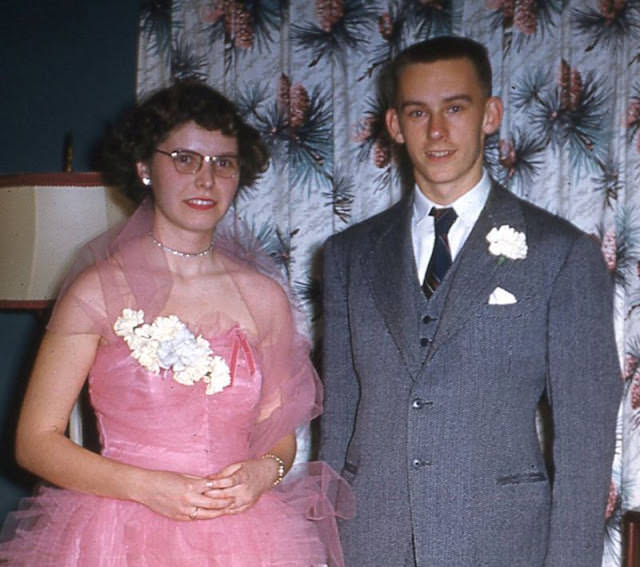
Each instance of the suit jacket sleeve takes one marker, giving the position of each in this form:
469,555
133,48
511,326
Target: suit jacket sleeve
584,387
340,383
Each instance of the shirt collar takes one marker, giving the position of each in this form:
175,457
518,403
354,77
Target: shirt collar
467,206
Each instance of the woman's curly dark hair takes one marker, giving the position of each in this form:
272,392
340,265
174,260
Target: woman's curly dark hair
134,138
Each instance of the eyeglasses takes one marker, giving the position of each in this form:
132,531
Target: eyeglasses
188,161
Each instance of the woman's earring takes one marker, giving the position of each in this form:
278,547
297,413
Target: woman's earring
146,181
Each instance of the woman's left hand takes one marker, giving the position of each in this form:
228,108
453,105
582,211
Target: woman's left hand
243,483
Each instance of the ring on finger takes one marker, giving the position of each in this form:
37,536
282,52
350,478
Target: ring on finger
194,514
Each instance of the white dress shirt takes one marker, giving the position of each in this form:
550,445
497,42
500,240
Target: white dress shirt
467,207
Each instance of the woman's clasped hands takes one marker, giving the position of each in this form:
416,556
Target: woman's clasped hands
233,490
238,486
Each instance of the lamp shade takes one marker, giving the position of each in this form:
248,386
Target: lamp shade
44,220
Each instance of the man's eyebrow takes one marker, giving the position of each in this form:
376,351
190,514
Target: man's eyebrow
451,98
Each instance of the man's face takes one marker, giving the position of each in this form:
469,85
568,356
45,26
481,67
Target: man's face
442,115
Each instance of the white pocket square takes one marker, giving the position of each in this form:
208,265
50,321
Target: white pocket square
501,296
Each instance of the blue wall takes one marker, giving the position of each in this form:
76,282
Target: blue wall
66,67
19,335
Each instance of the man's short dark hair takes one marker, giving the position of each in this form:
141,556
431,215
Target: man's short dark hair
438,49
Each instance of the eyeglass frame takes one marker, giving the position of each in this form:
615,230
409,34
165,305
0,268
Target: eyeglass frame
208,158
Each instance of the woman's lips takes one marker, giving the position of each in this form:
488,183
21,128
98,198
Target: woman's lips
201,204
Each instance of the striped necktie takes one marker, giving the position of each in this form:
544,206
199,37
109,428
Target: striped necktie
441,255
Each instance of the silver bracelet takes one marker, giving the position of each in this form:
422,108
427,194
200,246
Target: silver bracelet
280,462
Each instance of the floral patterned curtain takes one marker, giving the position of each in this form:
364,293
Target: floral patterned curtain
304,73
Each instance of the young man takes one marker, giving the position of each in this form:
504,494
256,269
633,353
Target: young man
445,329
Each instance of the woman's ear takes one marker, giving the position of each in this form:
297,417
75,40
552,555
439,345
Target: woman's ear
143,173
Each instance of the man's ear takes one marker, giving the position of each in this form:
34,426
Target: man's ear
393,125
493,111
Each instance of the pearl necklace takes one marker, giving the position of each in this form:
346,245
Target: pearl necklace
178,252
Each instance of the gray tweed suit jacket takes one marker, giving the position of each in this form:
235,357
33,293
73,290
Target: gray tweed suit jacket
430,405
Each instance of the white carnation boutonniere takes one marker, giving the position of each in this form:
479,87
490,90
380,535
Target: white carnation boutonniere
168,344
507,243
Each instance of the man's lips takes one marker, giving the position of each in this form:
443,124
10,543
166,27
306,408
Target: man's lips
440,154
200,204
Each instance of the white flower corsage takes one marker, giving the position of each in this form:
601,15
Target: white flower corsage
167,344
506,242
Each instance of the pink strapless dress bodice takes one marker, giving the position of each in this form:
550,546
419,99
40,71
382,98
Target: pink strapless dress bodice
150,420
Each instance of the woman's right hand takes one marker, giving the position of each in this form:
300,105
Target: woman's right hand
180,496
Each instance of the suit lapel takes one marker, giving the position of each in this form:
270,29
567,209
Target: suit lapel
391,272
475,267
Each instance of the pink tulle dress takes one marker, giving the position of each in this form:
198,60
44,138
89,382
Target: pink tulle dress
150,420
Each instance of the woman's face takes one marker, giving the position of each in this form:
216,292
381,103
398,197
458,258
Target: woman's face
191,201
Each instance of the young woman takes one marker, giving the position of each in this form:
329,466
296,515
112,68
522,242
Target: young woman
196,372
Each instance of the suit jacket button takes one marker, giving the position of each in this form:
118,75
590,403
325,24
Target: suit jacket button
419,403
427,319
424,341
419,463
